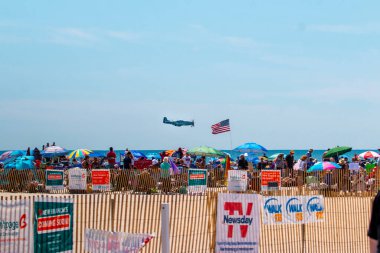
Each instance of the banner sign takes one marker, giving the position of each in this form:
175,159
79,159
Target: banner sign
270,180
53,224
101,180
77,179
143,164
16,227
292,210
197,180
54,180
100,241
238,223
237,180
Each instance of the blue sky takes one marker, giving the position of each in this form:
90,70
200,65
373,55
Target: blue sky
288,74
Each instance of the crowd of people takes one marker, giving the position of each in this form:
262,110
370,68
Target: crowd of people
167,165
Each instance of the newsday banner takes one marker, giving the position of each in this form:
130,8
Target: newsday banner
238,223
53,224
16,227
292,209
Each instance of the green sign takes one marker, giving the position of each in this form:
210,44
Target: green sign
197,181
54,180
53,224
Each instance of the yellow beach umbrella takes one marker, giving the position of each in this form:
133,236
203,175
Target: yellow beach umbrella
79,153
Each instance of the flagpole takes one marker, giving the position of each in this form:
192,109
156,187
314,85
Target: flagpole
230,140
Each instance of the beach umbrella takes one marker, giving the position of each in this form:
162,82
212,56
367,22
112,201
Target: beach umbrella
21,163
369,155
320,166
11,154
79,153
337,151
254,159
153,156
96,154
274,156
205,151
251,147
24,162
53,151
169,152
137,154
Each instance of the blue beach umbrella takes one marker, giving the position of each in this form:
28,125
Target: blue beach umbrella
97,154
153,156
21,163
137,154
251,147
24,162
11,154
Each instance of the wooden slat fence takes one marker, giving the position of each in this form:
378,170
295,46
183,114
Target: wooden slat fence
193,222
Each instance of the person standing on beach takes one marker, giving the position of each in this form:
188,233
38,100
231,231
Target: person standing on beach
111,157
86,162
242,163
374,226
36,154
289,163
165,175
187,160
128,161
309,156
280,164
302,167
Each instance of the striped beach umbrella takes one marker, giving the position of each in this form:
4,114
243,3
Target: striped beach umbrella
53,151
369,155
79,153
324,166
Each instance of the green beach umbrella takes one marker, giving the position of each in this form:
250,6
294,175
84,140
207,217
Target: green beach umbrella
337,151
205,151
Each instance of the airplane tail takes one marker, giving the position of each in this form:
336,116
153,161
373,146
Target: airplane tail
165,120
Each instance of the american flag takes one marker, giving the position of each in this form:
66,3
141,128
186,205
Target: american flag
221,127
